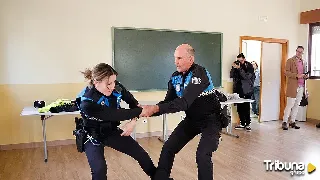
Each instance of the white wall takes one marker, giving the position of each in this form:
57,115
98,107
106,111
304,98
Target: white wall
51,41
306,5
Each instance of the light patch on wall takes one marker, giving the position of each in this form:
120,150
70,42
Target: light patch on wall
252,50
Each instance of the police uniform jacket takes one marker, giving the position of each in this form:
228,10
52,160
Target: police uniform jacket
192,92
103,113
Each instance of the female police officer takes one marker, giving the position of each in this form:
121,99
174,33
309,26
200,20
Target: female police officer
100,108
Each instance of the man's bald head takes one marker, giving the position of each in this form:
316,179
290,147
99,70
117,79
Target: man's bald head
184,57
187,48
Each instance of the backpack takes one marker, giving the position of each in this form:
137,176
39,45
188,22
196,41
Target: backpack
304,100
223,116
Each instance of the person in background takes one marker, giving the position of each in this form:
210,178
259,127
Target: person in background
243,76
256,89
295,73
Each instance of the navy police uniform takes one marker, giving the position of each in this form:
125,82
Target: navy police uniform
192,92
102,117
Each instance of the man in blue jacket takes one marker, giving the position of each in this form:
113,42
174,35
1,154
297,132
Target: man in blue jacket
190,89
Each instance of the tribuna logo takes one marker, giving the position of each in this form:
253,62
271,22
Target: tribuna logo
293,167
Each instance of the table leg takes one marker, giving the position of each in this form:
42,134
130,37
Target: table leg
229,128
164,129
44,138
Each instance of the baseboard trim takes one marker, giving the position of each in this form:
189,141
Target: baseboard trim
69,141
36,144
313,121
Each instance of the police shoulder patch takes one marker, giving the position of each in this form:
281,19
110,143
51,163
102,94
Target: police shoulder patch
195,80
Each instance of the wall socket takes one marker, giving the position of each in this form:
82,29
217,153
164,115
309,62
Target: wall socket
263,18
144,121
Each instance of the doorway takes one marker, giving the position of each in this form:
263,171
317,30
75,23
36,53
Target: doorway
273,56
252,50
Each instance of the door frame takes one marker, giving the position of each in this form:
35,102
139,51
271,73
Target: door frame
284,56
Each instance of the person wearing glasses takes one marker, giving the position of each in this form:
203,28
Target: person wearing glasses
296,76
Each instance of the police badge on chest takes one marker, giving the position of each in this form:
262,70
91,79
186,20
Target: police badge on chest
178,87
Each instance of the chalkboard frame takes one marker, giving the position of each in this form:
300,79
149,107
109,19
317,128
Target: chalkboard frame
113,28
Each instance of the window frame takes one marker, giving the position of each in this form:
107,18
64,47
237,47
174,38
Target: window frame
311,25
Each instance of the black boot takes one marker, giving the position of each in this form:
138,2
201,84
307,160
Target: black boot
318,125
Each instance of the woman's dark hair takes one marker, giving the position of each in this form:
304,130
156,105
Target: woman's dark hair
98,73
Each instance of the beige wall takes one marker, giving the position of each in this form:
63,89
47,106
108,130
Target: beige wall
44,45
312,85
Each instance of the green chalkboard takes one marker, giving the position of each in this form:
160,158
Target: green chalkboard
144,58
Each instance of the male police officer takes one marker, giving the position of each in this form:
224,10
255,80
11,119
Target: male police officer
190,89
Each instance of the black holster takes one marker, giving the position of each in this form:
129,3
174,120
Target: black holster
81,137
81,134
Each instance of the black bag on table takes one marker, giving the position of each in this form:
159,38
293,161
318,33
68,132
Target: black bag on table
224,116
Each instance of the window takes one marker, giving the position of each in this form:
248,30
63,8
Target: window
314,50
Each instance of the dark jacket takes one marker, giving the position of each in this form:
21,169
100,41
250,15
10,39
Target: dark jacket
243,79
192,92
103,113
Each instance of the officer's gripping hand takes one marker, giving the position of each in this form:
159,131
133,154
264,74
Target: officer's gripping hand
148,110
129,127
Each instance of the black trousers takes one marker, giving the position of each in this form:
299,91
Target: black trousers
244,111
124,144
182,134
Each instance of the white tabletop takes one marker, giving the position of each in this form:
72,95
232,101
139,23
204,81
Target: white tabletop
234,101
29,111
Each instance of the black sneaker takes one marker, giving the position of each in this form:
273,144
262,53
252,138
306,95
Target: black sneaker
248,128
284,126
294,125
318,125
239,127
